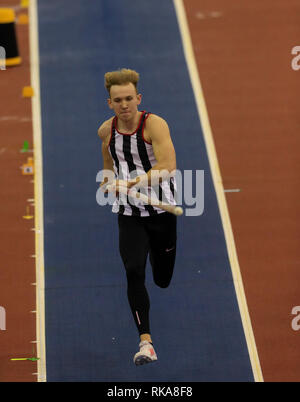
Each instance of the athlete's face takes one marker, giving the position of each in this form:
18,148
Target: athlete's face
124,101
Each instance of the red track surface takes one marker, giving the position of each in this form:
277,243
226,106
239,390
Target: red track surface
243,53
17,272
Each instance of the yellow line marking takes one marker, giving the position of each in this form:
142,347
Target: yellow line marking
214,165
27,216
38,190
22,358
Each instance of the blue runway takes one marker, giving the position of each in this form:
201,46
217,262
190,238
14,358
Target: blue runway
90,333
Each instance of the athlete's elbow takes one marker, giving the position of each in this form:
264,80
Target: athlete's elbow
171,166
166,170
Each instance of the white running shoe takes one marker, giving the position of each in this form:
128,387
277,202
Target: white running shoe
145,355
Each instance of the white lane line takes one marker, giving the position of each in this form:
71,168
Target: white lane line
216,175
38,190
15,118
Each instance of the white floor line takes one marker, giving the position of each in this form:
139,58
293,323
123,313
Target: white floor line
38,191
215,170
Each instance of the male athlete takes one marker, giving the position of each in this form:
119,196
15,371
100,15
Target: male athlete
139,143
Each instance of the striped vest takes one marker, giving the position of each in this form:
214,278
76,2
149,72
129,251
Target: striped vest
132,156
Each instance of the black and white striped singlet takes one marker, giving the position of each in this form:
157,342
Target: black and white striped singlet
132,156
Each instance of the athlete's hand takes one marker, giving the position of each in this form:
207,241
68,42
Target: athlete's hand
103,185
118,183
123,183
133,182
126,183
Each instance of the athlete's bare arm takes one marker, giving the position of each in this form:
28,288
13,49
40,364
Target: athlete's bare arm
104,132
158,134
158,131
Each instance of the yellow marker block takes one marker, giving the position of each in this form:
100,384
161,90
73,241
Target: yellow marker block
23,19
24,3
27,216
27,92
27,168
7,15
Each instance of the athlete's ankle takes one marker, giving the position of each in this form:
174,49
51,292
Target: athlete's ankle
146,337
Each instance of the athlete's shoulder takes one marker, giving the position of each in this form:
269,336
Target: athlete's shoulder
155,121
156,124
105,129
155,118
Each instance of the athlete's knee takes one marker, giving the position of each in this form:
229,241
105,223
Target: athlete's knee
135,273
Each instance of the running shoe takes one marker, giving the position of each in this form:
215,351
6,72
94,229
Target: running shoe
146,354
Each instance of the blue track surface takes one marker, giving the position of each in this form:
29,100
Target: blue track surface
90,333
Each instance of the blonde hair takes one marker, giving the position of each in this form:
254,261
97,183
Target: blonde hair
121,77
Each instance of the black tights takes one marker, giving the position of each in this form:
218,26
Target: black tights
139,236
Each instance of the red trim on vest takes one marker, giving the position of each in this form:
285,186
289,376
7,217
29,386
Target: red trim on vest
143,129
119,132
